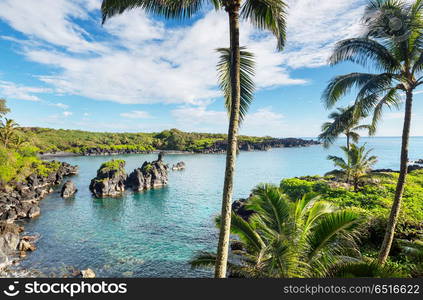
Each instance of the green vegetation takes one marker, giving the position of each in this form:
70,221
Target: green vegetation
306,237
112,165
16,165
372,200
18,157
77,141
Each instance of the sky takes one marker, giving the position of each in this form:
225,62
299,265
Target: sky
60,68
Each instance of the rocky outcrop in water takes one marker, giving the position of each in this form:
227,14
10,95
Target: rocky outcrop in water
68,190
110,179
179,166
149,176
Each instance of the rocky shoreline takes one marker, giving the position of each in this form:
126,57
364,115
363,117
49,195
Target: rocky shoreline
20,201
221,146
217,147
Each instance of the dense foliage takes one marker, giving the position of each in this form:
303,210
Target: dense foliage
77,141
373,200
16,165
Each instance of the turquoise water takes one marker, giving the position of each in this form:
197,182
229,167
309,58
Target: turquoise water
155,233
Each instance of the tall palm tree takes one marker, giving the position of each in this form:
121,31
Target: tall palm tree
264,14
397,53
286,238
344,122
357,167
7,131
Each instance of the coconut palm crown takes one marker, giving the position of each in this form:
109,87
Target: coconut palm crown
344,122
356,167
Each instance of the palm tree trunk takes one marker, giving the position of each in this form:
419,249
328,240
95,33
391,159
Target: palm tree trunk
348,156
348,141
225,226
396,205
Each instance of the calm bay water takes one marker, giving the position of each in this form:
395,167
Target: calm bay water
155,233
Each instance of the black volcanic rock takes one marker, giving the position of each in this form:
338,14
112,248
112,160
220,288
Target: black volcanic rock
110,179
239,208
179,166
68,190
267,144
149,176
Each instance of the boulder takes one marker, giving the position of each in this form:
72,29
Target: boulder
26,246
34,211
88,273
239,208
179,166
9,241
68,190
151,175
110,179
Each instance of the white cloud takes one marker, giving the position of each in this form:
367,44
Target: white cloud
313,29
67,113
51,22
136,114
264,122
20,92
59,105
141,62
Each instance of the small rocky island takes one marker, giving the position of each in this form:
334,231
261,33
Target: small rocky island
179,166
112,180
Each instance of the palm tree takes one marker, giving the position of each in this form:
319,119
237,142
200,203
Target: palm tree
3,108
396,52
357,167
344,122
264,14
7,131
285,238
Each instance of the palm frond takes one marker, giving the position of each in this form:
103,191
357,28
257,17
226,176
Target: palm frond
341,85
166,8
390,100
247,72
365,52
367,269
330,227
203,260
269,15
338,161
246,232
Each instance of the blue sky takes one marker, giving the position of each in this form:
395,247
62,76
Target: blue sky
60,68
